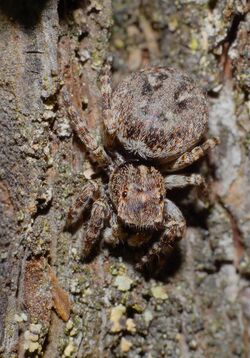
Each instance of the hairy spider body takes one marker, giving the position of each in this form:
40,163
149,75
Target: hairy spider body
158,115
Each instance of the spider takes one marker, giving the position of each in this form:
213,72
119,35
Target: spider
153,121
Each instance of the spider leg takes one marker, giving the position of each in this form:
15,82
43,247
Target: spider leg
110,122
175,226
99,213
106,85
89,193
114,234
189,158
181,181
80,127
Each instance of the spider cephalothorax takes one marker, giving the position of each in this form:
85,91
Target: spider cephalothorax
138,193
156,115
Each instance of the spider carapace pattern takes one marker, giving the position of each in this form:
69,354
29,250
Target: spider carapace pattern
155,116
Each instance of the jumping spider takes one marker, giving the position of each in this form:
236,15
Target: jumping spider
155,117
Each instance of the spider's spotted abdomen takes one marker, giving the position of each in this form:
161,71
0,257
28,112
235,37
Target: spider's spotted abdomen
158,113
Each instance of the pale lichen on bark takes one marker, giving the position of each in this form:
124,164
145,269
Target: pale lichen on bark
199,306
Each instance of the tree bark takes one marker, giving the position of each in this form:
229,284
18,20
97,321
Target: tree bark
52,304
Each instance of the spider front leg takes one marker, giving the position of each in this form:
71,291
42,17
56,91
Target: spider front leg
80,127
114,235
182,181
196,153
99,213
110,122
89,193
175,226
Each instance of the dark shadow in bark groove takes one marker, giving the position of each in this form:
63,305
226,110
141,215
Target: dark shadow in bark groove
233,29
65,7
212,4
25,12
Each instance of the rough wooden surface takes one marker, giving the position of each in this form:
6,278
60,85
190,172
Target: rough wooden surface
199,305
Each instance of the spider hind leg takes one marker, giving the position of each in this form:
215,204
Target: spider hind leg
174,230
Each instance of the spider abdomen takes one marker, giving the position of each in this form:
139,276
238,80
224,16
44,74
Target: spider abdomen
159,113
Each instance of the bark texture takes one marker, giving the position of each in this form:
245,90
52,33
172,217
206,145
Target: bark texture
53,305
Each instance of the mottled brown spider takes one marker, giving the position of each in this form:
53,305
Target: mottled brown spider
153,120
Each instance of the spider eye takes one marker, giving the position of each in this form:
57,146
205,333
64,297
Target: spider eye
124,194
